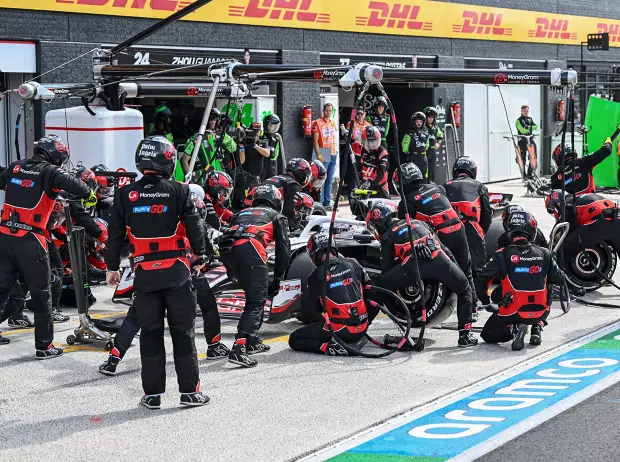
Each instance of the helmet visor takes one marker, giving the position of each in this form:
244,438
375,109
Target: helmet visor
272,129
372,145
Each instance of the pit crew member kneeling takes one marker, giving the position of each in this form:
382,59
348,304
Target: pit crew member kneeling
342,280
243,249
525,270
397,266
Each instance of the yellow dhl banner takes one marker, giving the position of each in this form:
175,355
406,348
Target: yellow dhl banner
398,17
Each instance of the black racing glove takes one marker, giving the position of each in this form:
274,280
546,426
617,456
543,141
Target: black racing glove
274,287
423,252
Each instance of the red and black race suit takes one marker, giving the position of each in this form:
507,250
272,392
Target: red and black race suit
598,220
375,167
31,188
343,282
157,215
288,188
581,181
160,220
255,228
223,213
429,203
591,207
470,200
397,270
525,270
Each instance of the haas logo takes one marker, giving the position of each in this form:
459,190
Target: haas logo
134,196
515,259
17,168
169,152
500,78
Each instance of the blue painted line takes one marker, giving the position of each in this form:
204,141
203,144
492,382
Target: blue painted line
444,432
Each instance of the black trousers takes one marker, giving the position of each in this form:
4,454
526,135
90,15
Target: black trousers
456,242
477,248
269,169
441,269
16,303
313,338
253,276
27,256
525,156
179,307
208,307
422,163
497,329
430,157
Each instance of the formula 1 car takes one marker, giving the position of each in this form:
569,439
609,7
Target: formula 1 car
352,239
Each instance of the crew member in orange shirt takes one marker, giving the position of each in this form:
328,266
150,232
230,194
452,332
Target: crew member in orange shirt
325,141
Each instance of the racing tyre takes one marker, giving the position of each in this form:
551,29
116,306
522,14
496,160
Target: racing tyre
581,270
300,268
435,296
490,239
319,209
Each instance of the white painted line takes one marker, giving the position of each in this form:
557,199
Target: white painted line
394,422
535,420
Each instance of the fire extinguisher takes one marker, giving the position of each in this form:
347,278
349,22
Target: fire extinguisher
456,113
560,110
306,120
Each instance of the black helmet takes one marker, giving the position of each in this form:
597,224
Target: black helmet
271,124
381,101
379,217
509,211
52,149
559,153
371,138
106,183
215,114
319,174
156,153
87,176
522,224
465,165
300,170
219,186
317,247
554,201
411,175
430,111
418,116
267,194
304,204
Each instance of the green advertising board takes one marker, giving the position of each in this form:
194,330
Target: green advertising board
602,118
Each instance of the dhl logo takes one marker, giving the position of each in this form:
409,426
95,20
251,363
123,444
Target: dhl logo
398,16
612,29
552,29
155,5
485,23
287,10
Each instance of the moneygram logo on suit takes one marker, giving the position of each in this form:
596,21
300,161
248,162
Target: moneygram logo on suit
401,17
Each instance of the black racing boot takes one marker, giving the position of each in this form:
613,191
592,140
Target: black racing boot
335,349
109,366
217,351
518,332
239,355
20,321
536,334
255,345
4,340
50,352
467,339
194,399
151,401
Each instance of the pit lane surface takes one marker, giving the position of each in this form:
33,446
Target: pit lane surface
290,405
